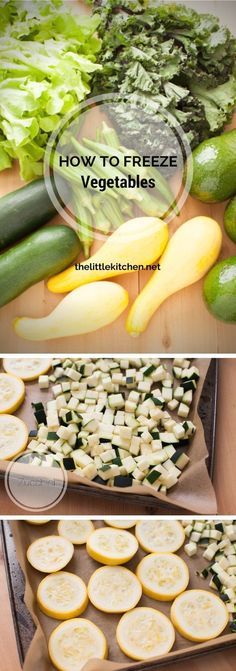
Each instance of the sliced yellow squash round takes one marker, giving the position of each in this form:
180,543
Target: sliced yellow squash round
120,524
13,436
112,546
74,642
12,393
163,575
160,535
50,553
77,531
27,369
62,595
37,520
114,589
199,615
145,632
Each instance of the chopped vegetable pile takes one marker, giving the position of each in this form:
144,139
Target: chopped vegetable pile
47,56
110,420
219,542
167,56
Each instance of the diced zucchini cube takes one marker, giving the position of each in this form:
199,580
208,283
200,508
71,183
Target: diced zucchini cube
178,393
108,455
135,445
190,549
188,397
116,401
129,464
138,475
90,471
126,432
173,404
183,410
43,382
179,431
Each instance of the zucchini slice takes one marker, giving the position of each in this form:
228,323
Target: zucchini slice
50,553
199,615
27,369
160,535
163,575
114,589
13,436
144,633
76,531
62,595
74,642
112,546
12,393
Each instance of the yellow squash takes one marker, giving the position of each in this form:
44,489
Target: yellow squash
83,310
192,250
138,241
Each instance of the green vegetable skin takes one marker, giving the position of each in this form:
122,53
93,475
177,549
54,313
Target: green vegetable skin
37,257
47,57
166,55
230,219
214,169
25,210
219,290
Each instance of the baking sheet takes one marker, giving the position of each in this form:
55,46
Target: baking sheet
194,491
83,565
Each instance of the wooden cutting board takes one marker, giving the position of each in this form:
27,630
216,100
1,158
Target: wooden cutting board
181,324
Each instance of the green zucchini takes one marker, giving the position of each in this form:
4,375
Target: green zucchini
40,255
28,208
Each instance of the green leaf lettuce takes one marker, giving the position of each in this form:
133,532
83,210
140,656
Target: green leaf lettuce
47,58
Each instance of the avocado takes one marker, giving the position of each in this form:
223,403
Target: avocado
219,290
214,169
230,219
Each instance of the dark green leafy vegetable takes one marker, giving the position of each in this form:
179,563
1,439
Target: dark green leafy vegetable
166,56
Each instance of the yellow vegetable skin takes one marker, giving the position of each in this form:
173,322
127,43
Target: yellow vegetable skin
192,250
83,310
138,241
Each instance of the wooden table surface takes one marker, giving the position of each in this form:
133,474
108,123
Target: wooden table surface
224,473
224,661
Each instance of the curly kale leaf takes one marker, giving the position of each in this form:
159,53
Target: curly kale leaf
169,56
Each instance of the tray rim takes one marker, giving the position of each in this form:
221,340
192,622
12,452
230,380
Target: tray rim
19,643
211,460
150,502
216,645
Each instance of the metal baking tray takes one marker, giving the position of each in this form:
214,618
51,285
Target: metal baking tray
23,623
207,412
25,627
